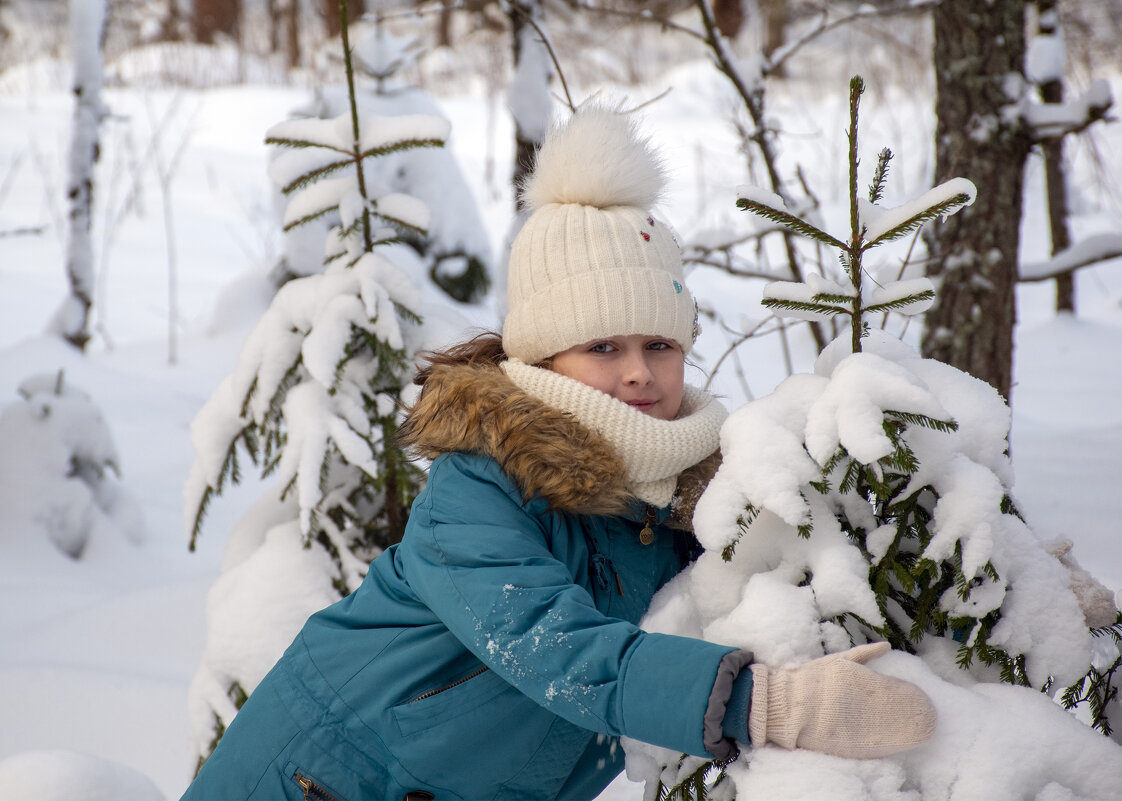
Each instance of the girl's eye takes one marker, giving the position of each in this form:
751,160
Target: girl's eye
660,345
602,347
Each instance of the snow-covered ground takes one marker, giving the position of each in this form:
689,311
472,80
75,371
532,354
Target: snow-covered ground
98,653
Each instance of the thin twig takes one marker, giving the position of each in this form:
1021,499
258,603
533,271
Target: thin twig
740,339
35,230
639,16
529,19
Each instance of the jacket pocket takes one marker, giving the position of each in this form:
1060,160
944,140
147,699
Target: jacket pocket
445,703
312,789
461,738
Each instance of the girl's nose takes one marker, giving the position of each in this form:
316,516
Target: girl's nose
637,371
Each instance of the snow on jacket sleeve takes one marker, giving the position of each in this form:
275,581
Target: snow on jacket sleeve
482,562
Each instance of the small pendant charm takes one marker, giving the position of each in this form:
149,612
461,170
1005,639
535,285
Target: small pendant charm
646,536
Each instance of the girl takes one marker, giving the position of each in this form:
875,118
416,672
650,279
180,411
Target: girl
494,653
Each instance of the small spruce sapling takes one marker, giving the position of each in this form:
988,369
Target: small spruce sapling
868,501
453,250
332,348
314,401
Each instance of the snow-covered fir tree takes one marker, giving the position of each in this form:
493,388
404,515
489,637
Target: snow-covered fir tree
454,251
872,500
315,397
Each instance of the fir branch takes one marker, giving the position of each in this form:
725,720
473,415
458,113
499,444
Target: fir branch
803,306
200,513
901,303
826,297
851,476
856,89
822,486
407,314
789,221
880,176
317,174
399,145
917,220
840,454
743,521
1008,507
307,218
229,470
397,222
914,418
694,786
298,144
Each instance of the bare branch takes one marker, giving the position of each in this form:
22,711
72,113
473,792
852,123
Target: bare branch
638,16
529,20
780,57
1093,250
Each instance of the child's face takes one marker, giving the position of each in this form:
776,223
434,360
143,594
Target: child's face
642,371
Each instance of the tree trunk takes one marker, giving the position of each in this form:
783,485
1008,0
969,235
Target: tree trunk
775,24
171,25
214,19
525,145
329,9
1052,91
729,16
974,254
292,33
87,20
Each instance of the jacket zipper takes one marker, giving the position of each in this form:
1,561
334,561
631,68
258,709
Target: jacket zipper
312,791
447,687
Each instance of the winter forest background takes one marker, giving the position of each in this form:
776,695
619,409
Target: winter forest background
148,300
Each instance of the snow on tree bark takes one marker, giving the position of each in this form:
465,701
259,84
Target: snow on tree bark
979,51
1049,74
87,21
528,99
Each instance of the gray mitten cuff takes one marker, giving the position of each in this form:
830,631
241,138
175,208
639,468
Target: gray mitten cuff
714,735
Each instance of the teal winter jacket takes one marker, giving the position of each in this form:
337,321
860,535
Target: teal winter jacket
493,653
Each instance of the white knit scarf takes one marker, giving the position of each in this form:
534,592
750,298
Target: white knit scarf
654,451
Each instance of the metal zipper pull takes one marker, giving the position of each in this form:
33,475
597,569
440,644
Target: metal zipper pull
646,536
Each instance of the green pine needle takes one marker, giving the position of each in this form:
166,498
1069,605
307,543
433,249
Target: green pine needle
400,145
917,220
789,221
317,174
298,144
900,303
880,176
803,306
399,223
307,218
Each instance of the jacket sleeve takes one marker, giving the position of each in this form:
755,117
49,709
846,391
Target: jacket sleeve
480,559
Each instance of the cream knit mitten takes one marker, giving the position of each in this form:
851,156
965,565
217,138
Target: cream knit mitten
838,706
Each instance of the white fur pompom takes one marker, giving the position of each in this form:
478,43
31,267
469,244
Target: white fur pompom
596,159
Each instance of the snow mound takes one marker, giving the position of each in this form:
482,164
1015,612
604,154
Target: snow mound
72,776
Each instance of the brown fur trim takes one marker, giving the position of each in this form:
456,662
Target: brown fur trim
474,407
478,409
691,483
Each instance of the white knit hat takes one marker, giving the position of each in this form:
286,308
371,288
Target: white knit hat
591,261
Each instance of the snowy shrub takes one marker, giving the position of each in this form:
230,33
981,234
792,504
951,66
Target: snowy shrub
59,470
872,500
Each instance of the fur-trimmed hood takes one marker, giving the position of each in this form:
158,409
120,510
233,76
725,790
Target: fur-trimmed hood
477,409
